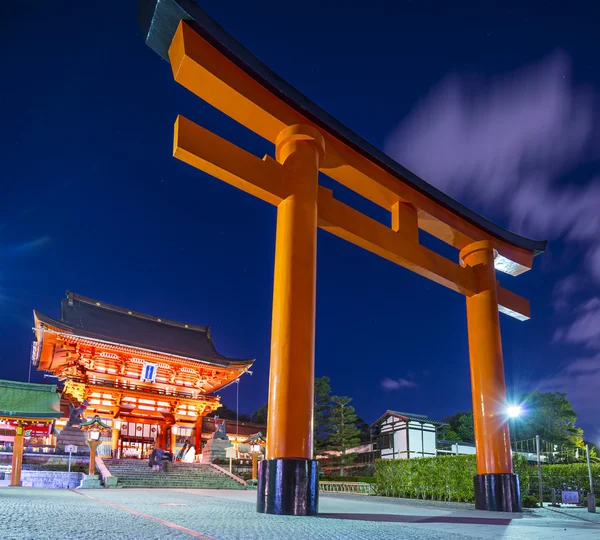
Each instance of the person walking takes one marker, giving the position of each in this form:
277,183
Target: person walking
159,454
152,461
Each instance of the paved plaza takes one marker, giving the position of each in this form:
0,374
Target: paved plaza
31,514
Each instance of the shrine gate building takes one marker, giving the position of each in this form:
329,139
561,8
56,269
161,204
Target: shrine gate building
151,379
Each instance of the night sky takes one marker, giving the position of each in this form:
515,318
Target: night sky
497,105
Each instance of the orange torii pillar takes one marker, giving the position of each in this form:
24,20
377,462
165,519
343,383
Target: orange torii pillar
288,477
496,487
17,457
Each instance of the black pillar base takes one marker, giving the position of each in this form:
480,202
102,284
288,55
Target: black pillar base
288,487
497,492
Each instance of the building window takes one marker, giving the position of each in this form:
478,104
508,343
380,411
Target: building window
149,372
384,441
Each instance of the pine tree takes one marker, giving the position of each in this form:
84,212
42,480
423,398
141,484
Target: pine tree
259,416
321,424
344,434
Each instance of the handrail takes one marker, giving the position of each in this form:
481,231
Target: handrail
227,473
107,478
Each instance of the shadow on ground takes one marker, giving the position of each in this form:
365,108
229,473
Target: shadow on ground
395,518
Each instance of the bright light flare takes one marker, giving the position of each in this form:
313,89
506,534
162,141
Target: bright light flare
514,411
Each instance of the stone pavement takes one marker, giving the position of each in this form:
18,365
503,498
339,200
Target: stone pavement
32,514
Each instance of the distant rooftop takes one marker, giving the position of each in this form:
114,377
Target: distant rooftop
28,400
409,417
96,320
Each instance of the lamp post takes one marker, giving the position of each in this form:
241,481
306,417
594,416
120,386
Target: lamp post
256,443
94,427
93,441
254,452
513,412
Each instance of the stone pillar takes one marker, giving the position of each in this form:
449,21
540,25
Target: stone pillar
287,479
17,457
496,487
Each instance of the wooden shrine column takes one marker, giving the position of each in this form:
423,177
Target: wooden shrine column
496,487
17,457
173,440
198,441
288,477
115,436
161,436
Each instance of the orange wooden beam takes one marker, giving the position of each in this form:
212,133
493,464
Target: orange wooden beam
264,179
203,70
349,224
513,305
210,153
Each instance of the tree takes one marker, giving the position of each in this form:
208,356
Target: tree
322,408
344,434
549,415
466,427
225,413
460,427
364,429
259,416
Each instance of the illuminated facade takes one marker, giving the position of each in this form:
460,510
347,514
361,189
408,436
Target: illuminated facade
153,380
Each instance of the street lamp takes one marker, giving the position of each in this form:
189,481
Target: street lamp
94,427
514,411
256,442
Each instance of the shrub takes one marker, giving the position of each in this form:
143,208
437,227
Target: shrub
367,479
573,476
529,501
442,478
450,478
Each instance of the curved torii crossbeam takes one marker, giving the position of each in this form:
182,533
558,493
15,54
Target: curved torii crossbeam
211,64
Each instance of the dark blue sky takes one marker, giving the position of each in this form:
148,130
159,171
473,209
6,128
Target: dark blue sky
92,200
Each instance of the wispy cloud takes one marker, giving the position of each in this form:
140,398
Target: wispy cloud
585,326
503,145
397,384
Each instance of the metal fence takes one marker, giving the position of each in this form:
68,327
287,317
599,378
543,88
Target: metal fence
357,488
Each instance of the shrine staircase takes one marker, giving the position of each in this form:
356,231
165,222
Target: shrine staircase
134,473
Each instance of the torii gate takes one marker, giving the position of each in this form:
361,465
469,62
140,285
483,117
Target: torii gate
215,67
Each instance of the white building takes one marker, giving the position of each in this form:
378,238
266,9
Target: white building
455,448
405,435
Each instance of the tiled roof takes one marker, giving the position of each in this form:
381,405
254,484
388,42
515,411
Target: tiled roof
96,320
409,417
28,400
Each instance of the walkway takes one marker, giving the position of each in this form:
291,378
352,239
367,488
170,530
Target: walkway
38,514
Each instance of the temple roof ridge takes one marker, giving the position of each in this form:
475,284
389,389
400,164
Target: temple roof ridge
71,296
99,321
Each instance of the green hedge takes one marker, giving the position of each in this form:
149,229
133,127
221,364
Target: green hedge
443,478
450,478
367,479
573,475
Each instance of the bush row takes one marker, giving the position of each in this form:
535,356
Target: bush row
367,479
450,478
573,476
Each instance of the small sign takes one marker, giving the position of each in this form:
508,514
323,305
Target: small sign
570,497
71,448
148,372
